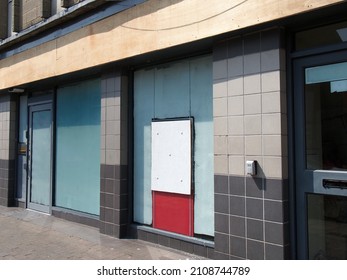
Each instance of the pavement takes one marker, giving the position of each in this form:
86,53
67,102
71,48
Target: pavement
29,235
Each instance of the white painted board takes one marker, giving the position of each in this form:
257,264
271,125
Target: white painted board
171,156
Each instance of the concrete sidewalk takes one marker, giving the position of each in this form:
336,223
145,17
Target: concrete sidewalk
25,234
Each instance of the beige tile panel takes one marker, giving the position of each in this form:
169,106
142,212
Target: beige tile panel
253,124
220,125
6,125
112,99
6,116
235,125
273,81
271,102
237,165
103,101
220,145
113,157
220,107
273,167
103,114
271,123
252,84
253,145
220,88
235,106
221,164
113,127
102,156
235,86
252,104
236,145
113,113
102,142
4,154
6,135
272,145
103,127
112,142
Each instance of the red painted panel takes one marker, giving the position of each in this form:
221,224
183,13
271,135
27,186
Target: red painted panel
173,212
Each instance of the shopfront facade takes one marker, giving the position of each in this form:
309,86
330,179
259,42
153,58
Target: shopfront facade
228,145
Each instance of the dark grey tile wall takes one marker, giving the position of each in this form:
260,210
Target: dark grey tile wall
114,195
7,173
182,245
76,217
251,224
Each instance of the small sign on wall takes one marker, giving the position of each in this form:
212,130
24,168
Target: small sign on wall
172,156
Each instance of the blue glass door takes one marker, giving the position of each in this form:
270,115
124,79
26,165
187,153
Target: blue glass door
320,103
40,153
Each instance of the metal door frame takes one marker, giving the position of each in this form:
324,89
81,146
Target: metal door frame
305,179
36,105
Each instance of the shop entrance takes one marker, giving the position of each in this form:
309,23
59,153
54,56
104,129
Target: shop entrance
40,157
320,121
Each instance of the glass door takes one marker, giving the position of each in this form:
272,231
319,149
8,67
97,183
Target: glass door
40,158
320,126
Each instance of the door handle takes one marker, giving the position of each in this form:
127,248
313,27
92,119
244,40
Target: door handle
334,184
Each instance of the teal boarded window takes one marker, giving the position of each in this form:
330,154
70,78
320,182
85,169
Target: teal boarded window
77,182
181,89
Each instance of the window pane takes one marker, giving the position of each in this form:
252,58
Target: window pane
41,157
178,89
321,36
78,147
326,119
327,227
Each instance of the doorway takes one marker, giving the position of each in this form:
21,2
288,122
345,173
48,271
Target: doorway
40,158
320,127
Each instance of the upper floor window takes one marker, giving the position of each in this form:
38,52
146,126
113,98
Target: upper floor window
18,15
321,36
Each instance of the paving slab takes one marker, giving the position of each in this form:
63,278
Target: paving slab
30,235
